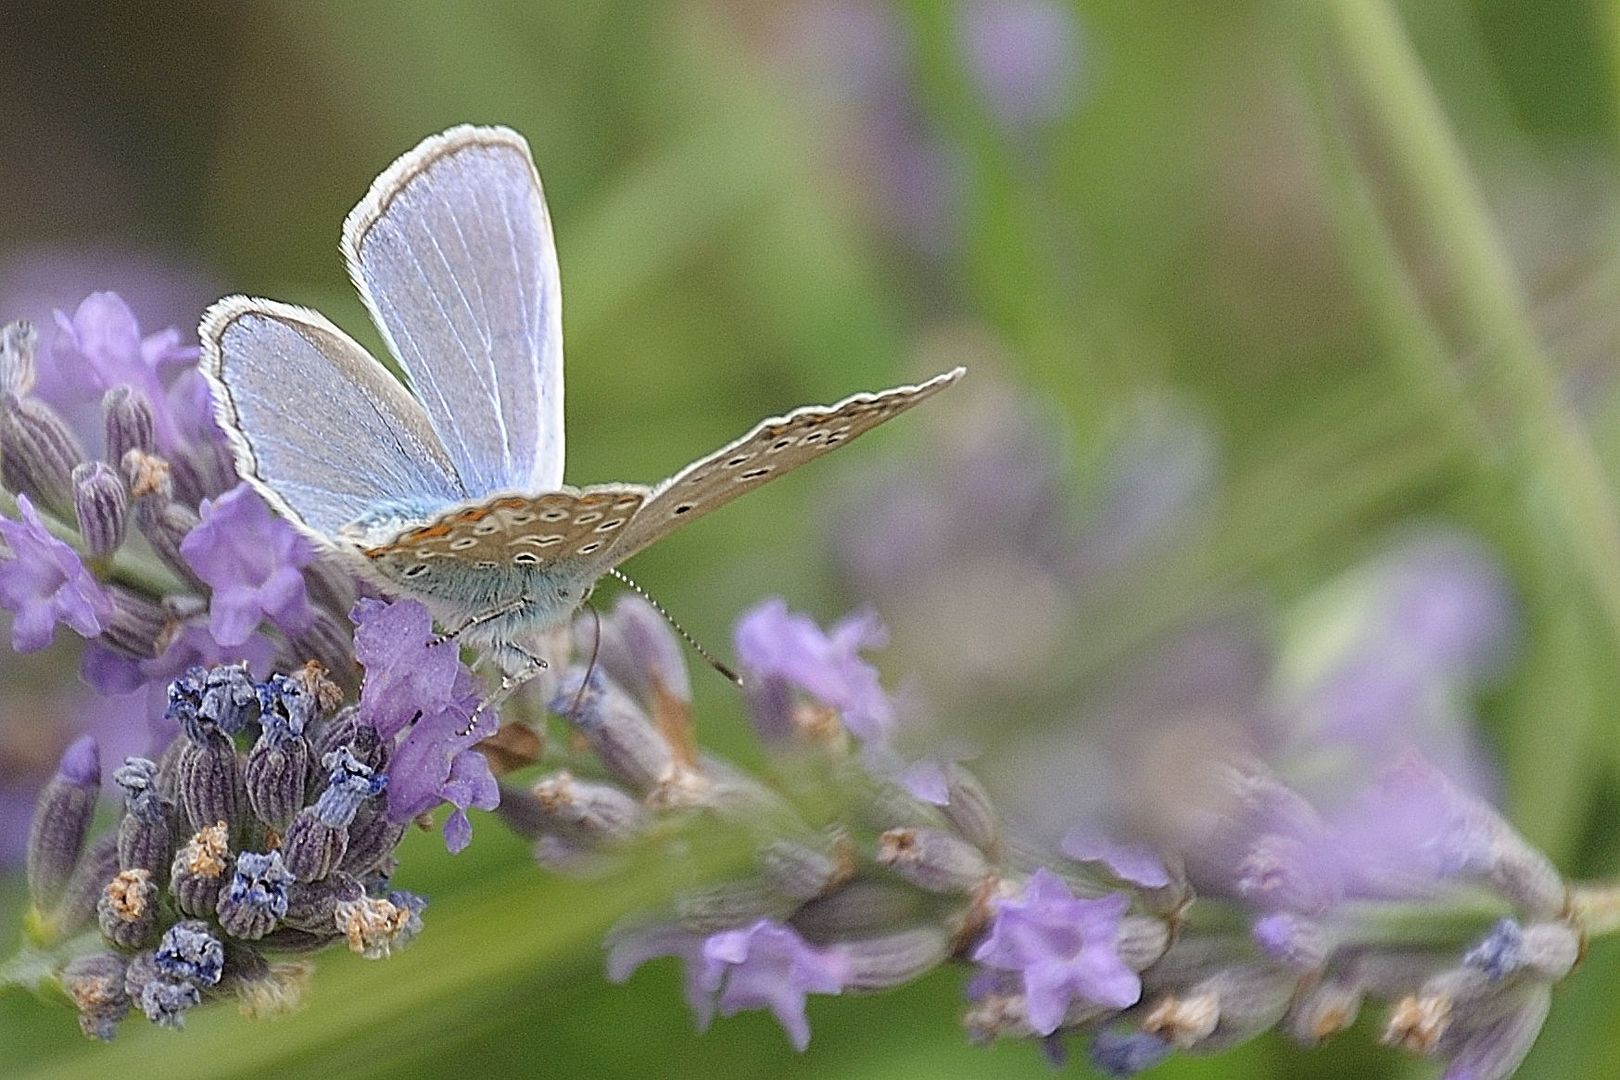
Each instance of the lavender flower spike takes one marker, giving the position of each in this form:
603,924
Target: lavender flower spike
253,563
43,583
1063,948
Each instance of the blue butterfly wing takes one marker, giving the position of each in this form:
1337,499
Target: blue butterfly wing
317,425
452,252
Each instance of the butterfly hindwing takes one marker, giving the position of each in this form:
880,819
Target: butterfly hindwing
514,533
774,447
452,252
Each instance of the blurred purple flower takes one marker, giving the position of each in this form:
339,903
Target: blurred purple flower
252,561
413,680
1025,57
773,642
43,582
1128,862
769,966
100,346
856,59
1382,666
629,948
1063,948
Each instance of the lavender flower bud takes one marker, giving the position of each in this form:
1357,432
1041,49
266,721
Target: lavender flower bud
319,836
277,769
933,860
1301,943
96,985
128,909
1491,1045
161,520
860,909
189,952
128,419
372,837
101,505
313,905
590,813
256,898
37,453
139,626
1546,950
878,963
1230,1007
1142,941
313,847
200,870
62,822
77,909
1323,1011
630,748
804,871
146,833
329,640
208,777
166,1002
1123,1054
230,697
968,808
730,904
17,342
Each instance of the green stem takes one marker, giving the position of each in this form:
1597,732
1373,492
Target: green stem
124,566
1595,908
1449,213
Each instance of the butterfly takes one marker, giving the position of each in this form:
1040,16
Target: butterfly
452,491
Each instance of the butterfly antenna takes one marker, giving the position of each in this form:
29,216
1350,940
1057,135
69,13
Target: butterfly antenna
730,675
590,668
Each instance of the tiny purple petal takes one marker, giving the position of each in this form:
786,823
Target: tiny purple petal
251,561
772,641
1128,862
81,762
769,966
43,582
928,781
1064,948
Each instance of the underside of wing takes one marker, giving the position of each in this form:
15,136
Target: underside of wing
452,252
774,447
516,531
316,424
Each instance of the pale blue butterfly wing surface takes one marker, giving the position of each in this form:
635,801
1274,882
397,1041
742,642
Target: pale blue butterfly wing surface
452,252
458,497
317,425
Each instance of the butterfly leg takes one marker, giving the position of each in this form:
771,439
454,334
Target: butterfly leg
482,618
518,665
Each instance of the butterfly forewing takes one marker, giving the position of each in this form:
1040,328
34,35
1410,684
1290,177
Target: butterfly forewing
317,425
452,251
772,448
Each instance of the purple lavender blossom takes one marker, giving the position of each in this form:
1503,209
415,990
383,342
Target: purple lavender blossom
43,582
773,642
252,561
100,346
1063,948
1025,57
769,966
413,679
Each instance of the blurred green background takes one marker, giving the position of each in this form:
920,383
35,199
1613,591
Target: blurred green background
1369,246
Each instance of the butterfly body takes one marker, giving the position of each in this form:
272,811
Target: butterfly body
451,492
